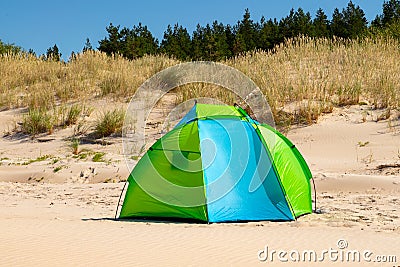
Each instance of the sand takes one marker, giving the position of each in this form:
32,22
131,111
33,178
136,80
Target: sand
65,218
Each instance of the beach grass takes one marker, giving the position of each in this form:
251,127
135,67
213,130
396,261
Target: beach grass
311,75
110,122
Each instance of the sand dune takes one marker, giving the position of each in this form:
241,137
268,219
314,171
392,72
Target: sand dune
66,218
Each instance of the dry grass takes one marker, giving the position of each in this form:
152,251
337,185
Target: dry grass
332,73
109,123
199,90
41,119
313,75
30,82
37,121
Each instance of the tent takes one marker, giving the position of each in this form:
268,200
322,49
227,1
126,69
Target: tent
219,165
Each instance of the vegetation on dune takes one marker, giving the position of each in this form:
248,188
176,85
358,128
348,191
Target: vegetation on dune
32,82
9,48
309,64
98,157
321,73
110,122
41,119
37,121
315,73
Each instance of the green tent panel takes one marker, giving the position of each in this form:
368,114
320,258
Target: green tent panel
292,169
168,183
219,165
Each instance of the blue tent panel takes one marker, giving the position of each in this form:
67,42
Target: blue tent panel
231,152
189,116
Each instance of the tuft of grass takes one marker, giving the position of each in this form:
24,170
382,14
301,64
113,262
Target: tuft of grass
73,115
362,144
38,159
384,116
83,156
68,115
98,157
114,83
37,121
81,128
109,123
198,90
75,142
59,168
369,158
135,158
41,120
364,114
42,98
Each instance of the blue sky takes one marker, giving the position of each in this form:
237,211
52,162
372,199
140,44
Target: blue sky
43,23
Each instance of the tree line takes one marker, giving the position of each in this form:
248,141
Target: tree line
217,41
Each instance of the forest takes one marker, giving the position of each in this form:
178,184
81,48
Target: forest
216,41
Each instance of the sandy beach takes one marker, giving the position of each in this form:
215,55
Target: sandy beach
65,217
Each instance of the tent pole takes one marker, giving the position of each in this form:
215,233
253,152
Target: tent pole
315,195
119,200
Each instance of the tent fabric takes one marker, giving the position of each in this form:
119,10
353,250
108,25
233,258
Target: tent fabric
168,183
292,169
234,166
219,165
204,111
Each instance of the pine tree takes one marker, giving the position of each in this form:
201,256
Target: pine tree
137,42
337,24
302,23
391,14
31,52
321,24
355,21
239,45
286,26
87,46
177,42
269,34
198,40
53,53
9,48
112,43
230,38
350,23
130,43
246,34
219,41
